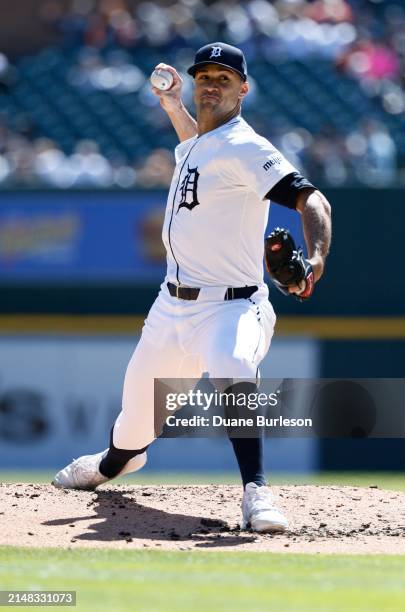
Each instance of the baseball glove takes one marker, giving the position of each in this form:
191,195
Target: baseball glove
286,264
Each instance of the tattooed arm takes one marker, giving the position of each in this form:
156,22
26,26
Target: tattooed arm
315,213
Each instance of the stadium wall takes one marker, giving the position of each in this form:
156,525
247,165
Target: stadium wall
60,252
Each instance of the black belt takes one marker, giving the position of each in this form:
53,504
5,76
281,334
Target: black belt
192,293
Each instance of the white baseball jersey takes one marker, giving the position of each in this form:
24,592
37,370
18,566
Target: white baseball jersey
216,212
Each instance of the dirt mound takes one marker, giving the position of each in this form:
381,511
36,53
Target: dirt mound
204,517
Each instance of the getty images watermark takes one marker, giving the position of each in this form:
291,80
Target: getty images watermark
320,408
216,399
215,408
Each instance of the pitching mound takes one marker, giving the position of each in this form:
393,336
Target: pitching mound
205,517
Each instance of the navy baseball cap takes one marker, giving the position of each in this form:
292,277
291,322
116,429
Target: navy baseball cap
221,54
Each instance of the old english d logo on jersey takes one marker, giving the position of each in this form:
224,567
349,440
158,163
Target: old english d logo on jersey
188,189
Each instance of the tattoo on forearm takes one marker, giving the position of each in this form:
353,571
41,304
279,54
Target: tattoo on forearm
316,222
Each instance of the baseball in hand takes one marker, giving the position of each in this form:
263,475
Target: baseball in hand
162,79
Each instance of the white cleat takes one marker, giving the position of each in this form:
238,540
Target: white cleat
259,511
83,473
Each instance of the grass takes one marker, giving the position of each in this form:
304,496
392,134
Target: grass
384,480
166,581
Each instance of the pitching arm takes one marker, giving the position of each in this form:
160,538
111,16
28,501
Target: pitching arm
171,102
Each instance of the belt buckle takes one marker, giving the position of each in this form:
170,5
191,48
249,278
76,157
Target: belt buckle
229,295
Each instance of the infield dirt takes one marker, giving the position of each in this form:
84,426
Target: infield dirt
327,519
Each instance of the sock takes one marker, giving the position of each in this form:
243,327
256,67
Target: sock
248,451
116,459
249,454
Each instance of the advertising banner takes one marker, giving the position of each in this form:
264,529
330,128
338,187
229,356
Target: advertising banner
89,236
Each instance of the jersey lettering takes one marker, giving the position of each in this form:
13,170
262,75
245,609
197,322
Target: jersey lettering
276,159
188,189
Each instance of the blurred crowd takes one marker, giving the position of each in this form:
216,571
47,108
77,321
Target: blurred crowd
366,155
27,162
365,37
295,27
361,38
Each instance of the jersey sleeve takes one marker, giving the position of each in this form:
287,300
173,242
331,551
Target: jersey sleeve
183,148
286,191
262,166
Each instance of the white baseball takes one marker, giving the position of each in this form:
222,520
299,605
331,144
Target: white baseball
162,79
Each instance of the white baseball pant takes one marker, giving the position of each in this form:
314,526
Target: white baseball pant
184,339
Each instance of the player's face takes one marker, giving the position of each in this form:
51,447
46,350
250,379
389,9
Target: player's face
218,89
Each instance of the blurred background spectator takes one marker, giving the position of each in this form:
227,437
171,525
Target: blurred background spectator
326,79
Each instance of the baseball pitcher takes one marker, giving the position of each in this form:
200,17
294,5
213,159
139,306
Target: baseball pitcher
212,313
